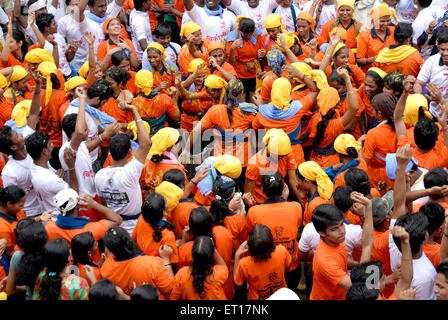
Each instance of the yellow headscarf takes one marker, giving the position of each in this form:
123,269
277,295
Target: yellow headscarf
84,70
327,99
281,93
194,64
396,55
47,68
3,81
289,39
172,193
162,140
144,81
274,20
238,19
189,28
317,76
39,55
157,46
21,112
18,73
228,165
378,71
348,3
339,46
133,127
312,171
413,103
72,83
277,142
344,141
216,82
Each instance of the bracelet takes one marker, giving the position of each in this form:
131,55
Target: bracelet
193,182
101,138
71,169
446,235
138,120
167,264
36,92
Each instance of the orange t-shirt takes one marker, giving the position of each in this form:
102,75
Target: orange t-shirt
107,45
143,236
111,108
351,57
357,76
264,42
432,251
340,178
283,219
227,67
5,111
14,61
380,252
259,164
366,102
98,229
185,57
195,107
183,288
49,120
243,55
265,92
329,268
11,98
380,141
264,277
310,206
154,172
436,157
7,226
351,34
137,271
164,77
343,108
82,274
180,216
369,44
236,224
409,66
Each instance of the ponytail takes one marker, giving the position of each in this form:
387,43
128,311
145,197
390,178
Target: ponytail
202,265
219,210
153,209
233,90
321,127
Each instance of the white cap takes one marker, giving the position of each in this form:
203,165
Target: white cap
37,5
284,294
66,200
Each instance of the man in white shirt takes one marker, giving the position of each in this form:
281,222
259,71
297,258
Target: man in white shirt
327,11
46,181
405,9
428,12
162,34
37,6
215,22
17,169
118,185
141,29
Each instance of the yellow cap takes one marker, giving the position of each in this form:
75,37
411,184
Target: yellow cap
344,141
413,104
133,127
277,142
228,165
189,28
172,193
312,171
144,81
21,112
274,20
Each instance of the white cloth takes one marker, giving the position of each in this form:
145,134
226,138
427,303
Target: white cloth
328,13
62,47
140,29
362,11
419,185
47,184
213,28
58,12
120,188
424,273
423,19
258,14
83,165
288,20
441,3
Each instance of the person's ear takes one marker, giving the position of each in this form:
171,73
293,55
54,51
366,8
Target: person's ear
322,234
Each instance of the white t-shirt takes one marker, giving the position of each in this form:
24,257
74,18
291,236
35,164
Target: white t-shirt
91,124
3,20
58,12
62,47
423,19
83,165
419,185
441,3
213,28
258,14
141,29
328,12
120,188
288,20
424,273
433,71
47,184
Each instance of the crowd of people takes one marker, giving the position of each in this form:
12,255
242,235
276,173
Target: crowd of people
224,150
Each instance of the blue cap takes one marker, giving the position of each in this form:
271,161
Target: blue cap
391,165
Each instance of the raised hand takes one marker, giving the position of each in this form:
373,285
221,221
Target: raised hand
89,37
408,83
404,155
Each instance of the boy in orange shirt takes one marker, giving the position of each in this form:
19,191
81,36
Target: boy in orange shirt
436,216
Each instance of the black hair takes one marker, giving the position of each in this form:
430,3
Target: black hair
55,83
360,272
394,81
219,210
232,93
156,158
118,241
403,31
36,143
30,2
359,291
6,140
202,264
272,184
118,57
152,211
357,180
377,78
43,20
442,36
246,25
145,292
81,244
426,133
11,193
443,269
31,237
415,224
138,4
436,177
342,199
335,77
118,75
326,215
100,88
425,3
200,222
18,36
175,176
321,127
162,29
55,256
102,291
261,243
435,214
119,146
337,53
69,124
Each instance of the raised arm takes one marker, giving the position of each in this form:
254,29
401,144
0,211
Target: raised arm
90,38
111,218
6,49
406,272
353,105
334,40
70,159
367,228
33,117
39,35
400,127
189,4
436,96
404,155
18,15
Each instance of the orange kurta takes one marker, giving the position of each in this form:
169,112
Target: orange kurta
49,120
185,57
370,44
351,34
409,66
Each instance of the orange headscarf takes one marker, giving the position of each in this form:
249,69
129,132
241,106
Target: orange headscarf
307,17
106,24
327,99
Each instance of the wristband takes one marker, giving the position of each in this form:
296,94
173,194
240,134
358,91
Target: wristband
446,235
138,120
71,169
167,264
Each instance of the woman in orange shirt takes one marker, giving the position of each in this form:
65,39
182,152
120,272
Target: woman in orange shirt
194,48
83,245
218,65
162,71
19,89
265,266
305,27
380,140
121,60
152,230
205,277
373,84
15,49
113,43
267,41
326,125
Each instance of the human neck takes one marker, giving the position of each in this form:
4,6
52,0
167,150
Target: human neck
115,38
307,35
20,154
312,190
41,163
2,210
120,163
330,243
415,176
345,23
